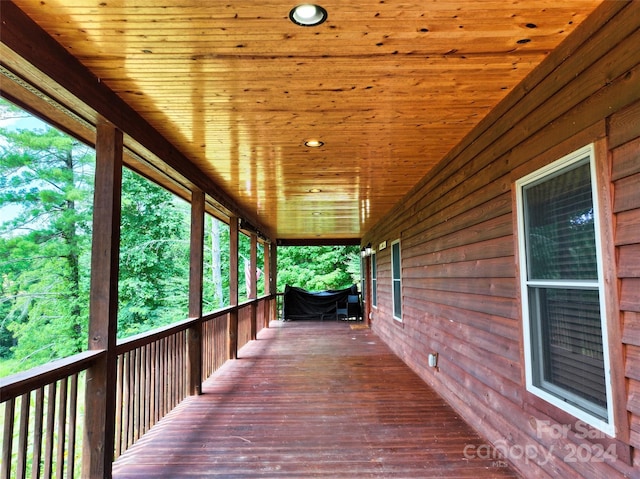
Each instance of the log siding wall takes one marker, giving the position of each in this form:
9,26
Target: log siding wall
624,135
460,281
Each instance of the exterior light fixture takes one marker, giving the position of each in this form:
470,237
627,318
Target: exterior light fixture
308,15
315,190
313,143
366,251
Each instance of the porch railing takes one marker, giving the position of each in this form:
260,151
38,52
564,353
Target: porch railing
42,409
42,417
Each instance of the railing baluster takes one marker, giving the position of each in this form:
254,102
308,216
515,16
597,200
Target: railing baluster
7,438
136,395
180,368
124,433
23,435
119,399
207,354
145,390
180,364
174,369
130,401
165,376
125,395
38,415
162,377
171,370
62,421
73,409
158,375
49,429
149,399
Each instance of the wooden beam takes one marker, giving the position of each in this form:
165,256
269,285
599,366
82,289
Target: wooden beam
98,442
196,273
233,287
253,283
319,242
267,283
273,258
273,279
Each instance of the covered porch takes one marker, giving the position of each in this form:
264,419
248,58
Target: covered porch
312,399
408,134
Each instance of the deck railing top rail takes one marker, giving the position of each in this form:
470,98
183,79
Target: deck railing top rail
26,381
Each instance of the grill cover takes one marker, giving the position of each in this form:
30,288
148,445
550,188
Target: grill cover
302,304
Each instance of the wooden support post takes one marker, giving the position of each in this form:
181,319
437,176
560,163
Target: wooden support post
267,285
273,283
196,273
253,284
233,287
99,433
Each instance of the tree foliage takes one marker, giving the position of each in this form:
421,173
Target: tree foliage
154,257
318,268
45,190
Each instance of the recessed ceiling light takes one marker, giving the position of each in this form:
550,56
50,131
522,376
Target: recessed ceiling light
313,143
315,190
308,15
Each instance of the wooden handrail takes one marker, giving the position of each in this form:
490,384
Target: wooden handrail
27,381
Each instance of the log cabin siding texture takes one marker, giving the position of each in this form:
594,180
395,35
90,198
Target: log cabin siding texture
624,135
460,280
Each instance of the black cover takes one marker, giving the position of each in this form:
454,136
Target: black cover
302,304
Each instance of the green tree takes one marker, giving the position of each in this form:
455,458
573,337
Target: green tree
154,256
318,268
216,265
46,183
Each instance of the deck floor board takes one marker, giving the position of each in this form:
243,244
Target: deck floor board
311,399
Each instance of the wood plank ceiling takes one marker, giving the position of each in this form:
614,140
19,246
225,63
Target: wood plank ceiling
389,87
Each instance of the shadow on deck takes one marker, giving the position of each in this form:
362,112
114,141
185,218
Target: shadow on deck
312,399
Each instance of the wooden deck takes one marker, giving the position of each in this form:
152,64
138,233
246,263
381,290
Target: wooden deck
312,399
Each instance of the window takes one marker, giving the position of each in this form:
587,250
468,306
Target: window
374,281
363,278
396,270
566,354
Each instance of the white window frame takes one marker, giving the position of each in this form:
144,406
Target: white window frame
374,280
607,425
394,280
363,279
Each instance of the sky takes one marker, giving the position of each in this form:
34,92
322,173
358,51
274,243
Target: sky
29,123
